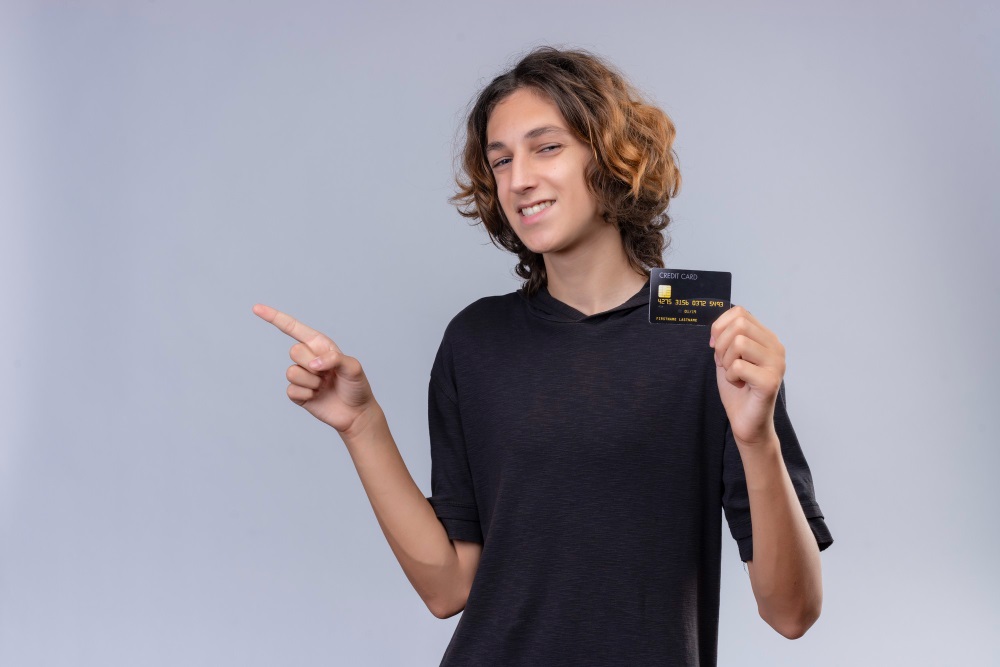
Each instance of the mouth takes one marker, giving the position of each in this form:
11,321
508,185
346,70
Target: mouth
537,207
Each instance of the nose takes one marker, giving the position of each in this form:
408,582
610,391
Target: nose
522,175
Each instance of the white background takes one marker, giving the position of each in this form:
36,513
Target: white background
165,165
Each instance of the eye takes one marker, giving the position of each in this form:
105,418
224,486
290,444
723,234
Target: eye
549,148
501,162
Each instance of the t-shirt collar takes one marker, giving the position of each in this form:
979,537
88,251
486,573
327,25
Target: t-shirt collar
546,306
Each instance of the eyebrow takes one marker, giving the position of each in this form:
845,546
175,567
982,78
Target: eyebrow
531,134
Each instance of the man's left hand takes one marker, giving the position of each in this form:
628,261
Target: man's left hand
750,364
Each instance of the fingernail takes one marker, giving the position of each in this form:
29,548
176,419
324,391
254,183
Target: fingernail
711,341
316,363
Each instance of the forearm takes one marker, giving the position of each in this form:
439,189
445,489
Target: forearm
415,534
785,572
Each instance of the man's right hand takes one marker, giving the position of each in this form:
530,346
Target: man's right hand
334,389
323,380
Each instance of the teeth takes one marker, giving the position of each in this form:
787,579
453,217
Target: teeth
531,210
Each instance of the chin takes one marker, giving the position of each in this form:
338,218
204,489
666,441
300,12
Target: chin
539,246
539,249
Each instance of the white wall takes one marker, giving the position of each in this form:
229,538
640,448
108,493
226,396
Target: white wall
165,165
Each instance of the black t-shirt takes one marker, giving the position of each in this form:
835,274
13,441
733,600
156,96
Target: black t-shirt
591,456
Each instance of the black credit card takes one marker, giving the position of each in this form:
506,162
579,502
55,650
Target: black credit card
683,296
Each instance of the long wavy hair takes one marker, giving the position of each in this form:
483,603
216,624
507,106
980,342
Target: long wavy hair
633,174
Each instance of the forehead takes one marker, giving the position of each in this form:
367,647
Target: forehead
519,113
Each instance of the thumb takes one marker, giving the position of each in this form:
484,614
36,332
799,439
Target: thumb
334,360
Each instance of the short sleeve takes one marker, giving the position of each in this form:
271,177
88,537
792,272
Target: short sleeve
452,493
736,501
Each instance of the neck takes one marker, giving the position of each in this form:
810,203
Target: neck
595,276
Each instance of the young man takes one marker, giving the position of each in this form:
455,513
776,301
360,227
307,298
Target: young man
581,456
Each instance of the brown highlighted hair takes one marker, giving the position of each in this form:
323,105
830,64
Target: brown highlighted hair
633,174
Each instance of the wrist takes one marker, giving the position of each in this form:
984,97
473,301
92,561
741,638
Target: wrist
763,465
766,441
366,427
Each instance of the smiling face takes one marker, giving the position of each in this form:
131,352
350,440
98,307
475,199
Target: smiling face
540,170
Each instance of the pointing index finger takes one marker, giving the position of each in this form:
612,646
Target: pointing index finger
288,324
